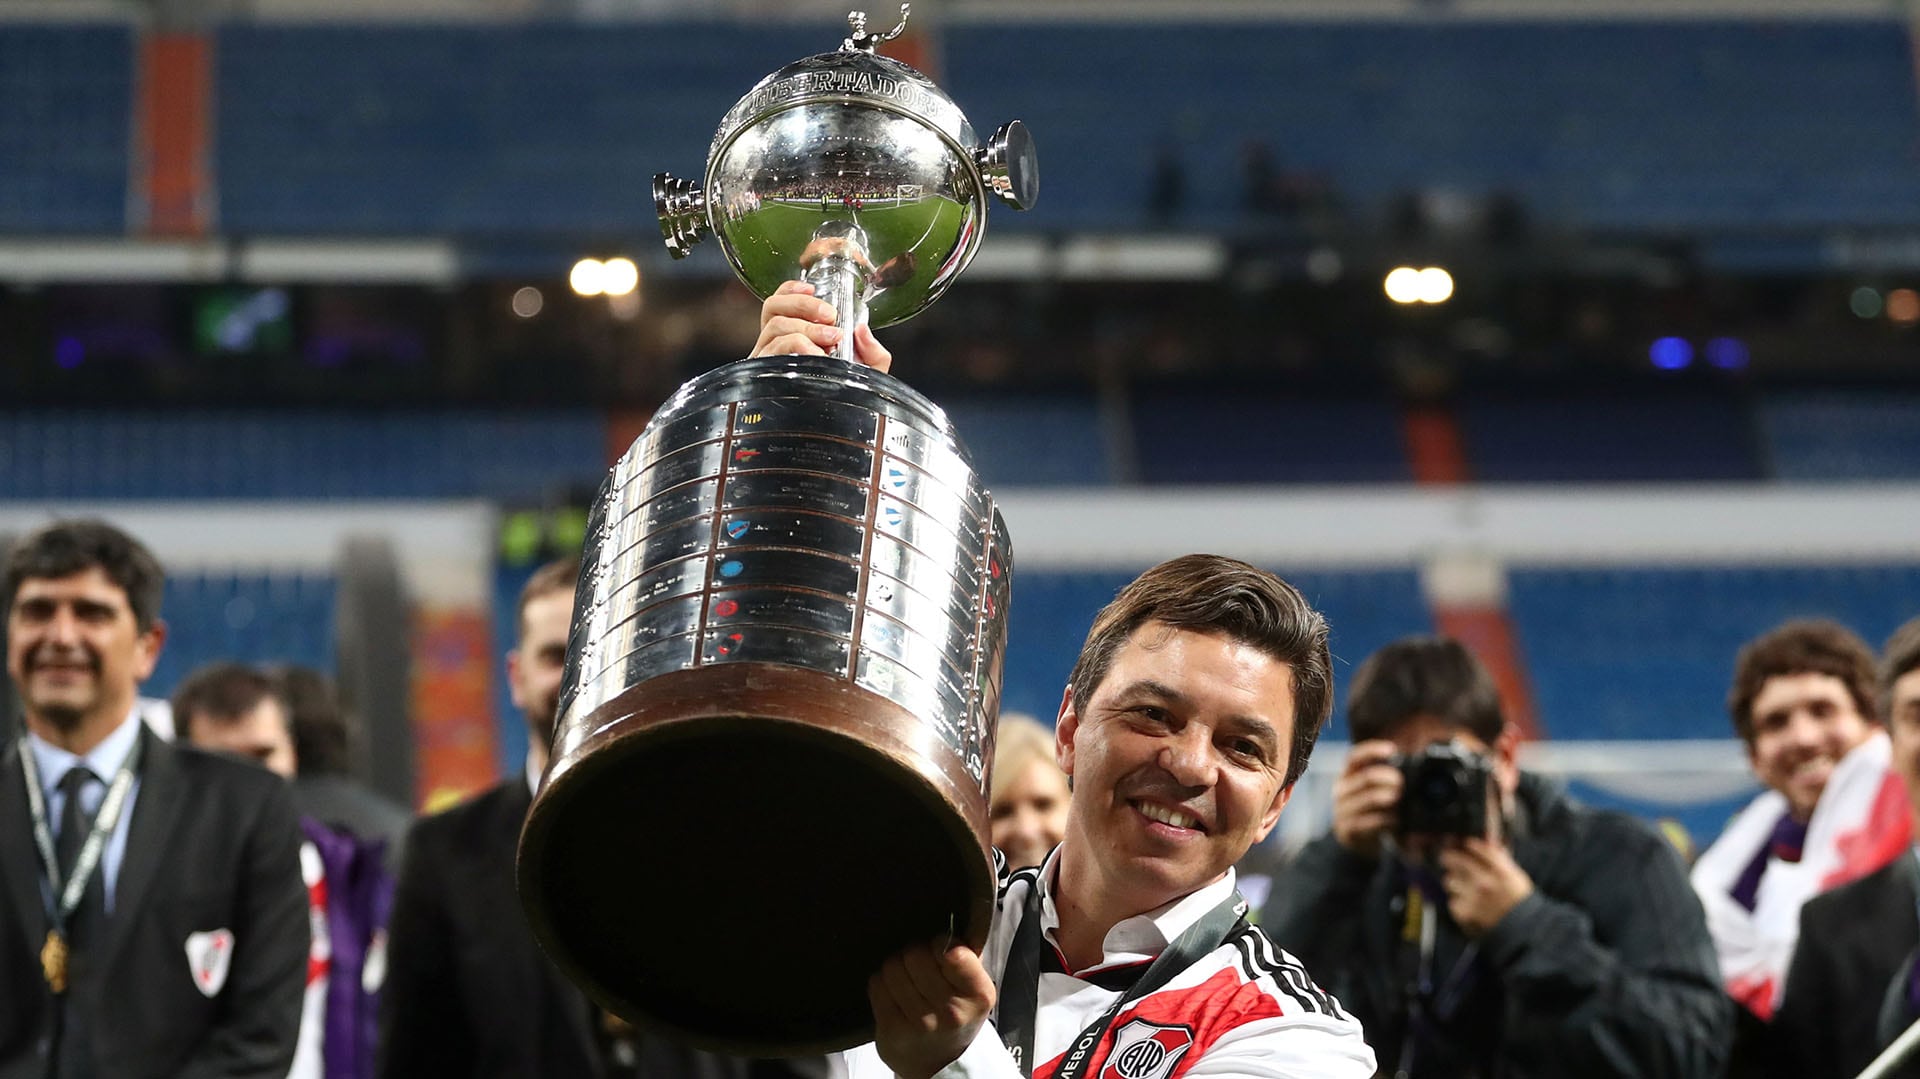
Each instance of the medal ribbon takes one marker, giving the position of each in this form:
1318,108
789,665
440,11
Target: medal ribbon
67,894
1020,989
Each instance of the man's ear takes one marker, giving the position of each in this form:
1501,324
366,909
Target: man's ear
1506,758
513,679
1065,723
1272,816
147,654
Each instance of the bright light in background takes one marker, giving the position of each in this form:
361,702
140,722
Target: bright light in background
1670,353
1435,285
1403,285
1864,303
1903,306
1408,285
619,276
527,301
589,277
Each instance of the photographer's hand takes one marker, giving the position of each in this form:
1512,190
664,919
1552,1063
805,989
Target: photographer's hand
1366,798
1483,883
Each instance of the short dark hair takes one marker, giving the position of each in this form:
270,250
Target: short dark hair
324,738
1901,655
1213,594
559,575
64,548
1803,646
1423,676
222,692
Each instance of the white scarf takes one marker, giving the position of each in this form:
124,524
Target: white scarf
1861,823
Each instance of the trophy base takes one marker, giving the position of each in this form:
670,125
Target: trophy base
739,848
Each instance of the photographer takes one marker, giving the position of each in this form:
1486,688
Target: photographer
1477,920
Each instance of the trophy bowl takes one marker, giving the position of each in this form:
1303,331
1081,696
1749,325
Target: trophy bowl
770,766
850,142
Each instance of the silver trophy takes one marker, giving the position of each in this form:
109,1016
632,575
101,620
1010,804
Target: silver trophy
770,769
855,171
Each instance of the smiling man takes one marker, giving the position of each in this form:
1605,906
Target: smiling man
1192,710
152,916
1855,982
1804,703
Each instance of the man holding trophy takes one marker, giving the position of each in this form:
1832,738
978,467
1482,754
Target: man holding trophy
795,579
1194,706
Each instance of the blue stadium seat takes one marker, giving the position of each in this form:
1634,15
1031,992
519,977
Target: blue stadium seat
1641,438
79,455
1190,437
1032,441
247,618
1648,653
1843,436
66,94
543,127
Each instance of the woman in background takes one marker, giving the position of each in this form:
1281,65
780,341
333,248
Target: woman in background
1027,808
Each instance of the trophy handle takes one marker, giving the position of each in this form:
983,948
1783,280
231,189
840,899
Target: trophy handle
1010,166
836,264
682,208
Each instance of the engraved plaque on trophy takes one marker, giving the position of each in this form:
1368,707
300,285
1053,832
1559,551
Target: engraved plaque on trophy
770,769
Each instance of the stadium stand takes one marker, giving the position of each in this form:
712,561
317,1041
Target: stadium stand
64,128
1655,126
1189,436
1647,652
87,455
249,618
1609,438
1034,441
1842,436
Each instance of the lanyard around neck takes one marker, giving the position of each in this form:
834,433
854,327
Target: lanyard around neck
67,894
1019,1006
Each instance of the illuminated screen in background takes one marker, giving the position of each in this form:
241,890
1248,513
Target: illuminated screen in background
241,321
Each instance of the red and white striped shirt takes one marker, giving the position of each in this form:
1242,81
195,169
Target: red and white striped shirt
1244,1009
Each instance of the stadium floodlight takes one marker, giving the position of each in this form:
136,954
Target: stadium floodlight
589,277
1403,285
619,277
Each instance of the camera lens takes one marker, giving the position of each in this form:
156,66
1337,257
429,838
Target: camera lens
1438,787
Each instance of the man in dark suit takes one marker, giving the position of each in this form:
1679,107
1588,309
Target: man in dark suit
1854,985
182,948
468,991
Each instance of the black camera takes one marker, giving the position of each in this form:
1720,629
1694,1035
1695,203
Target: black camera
1444,791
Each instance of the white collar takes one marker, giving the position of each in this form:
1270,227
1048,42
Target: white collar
1140,938
103,760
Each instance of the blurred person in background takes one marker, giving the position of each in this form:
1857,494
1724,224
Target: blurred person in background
1027,807
1477,920
1854,984
324,787
152,920
468,991
236,709
1803,702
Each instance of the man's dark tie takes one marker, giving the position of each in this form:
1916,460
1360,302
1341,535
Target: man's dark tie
72,1058
75,823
